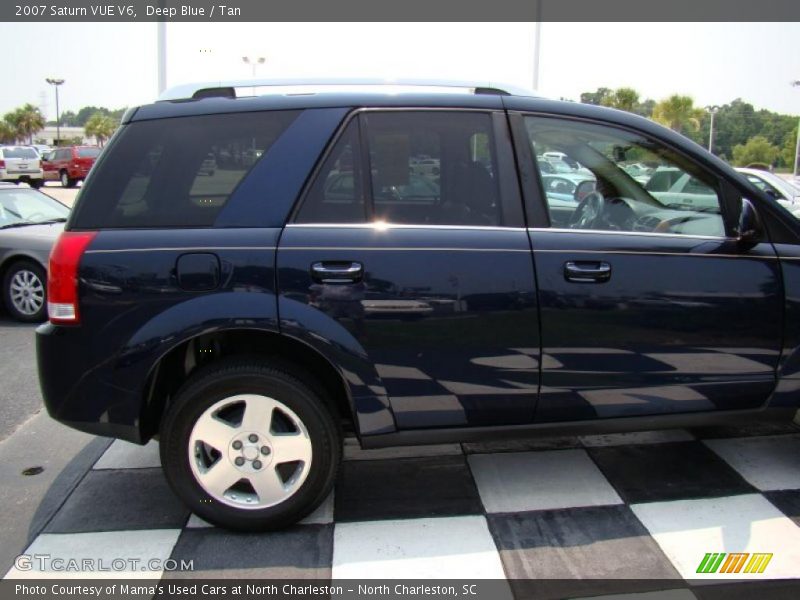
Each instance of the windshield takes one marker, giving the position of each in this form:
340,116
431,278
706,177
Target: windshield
20,153
27,207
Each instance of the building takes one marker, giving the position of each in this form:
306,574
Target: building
48,135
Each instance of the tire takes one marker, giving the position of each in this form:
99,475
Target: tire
36,183
25,291
213,405
66,180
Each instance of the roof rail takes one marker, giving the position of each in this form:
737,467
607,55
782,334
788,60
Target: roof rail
227,89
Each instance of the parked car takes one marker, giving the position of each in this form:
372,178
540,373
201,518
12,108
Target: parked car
70,165
246,321
42,149
30,223
21,164
780,190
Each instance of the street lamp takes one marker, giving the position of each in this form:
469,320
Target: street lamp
254,62
797,145
55,83
712,110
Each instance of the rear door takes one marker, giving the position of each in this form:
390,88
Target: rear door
410,246
649,305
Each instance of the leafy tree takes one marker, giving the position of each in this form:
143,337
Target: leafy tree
789,148
101,126
595,97
26,120
756,150
623,98
678,113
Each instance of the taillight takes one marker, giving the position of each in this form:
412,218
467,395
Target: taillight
62,277
2,164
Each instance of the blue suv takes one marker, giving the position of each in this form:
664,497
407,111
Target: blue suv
391,265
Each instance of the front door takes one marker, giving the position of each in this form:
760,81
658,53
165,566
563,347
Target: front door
648,304
411,240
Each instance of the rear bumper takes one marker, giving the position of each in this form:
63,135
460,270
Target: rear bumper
79,392
10,175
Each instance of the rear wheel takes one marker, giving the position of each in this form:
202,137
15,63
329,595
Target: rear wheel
36,183
66,180
250,447
25,291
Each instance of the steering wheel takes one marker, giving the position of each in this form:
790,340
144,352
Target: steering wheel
588,211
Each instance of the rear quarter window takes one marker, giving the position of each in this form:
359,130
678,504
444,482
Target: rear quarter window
177,172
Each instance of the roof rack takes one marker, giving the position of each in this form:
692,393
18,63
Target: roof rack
227,89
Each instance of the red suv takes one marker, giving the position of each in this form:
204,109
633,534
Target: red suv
69,165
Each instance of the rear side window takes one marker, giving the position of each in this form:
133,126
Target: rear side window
176,172
88,152
337,195
416,167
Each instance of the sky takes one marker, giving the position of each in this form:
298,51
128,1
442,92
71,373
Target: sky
114,64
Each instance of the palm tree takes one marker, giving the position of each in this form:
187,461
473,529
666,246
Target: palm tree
678,113
26,121
8,133
101,127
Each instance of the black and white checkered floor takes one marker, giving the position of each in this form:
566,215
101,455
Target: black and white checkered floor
641,505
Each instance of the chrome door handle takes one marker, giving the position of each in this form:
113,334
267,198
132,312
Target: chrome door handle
337,272
587,271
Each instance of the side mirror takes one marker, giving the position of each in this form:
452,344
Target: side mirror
583,189
749,231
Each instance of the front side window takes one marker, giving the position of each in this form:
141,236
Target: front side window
614,180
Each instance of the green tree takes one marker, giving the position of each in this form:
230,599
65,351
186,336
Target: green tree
757,149
8,133
26,120
623,98
678,113
101,126
595,97
789,148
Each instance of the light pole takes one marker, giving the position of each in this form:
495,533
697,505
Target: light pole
254,62
712,110
55,83
797,145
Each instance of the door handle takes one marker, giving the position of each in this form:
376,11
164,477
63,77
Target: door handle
337,272
587,271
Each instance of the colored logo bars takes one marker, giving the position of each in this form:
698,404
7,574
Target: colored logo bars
720,562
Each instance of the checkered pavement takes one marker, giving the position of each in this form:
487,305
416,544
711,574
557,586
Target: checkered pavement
644,505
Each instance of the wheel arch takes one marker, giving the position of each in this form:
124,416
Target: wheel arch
184,359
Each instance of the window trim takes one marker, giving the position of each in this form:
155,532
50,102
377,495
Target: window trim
505,191
535,199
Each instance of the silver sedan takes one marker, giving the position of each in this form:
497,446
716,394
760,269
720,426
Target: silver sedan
30,223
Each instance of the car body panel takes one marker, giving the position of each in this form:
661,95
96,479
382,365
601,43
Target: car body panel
407,355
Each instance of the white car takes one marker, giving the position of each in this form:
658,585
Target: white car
784,192
21,164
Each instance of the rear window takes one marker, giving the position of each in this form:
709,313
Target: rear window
88,152
20,153
176,172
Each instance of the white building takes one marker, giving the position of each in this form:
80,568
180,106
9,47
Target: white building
48,135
